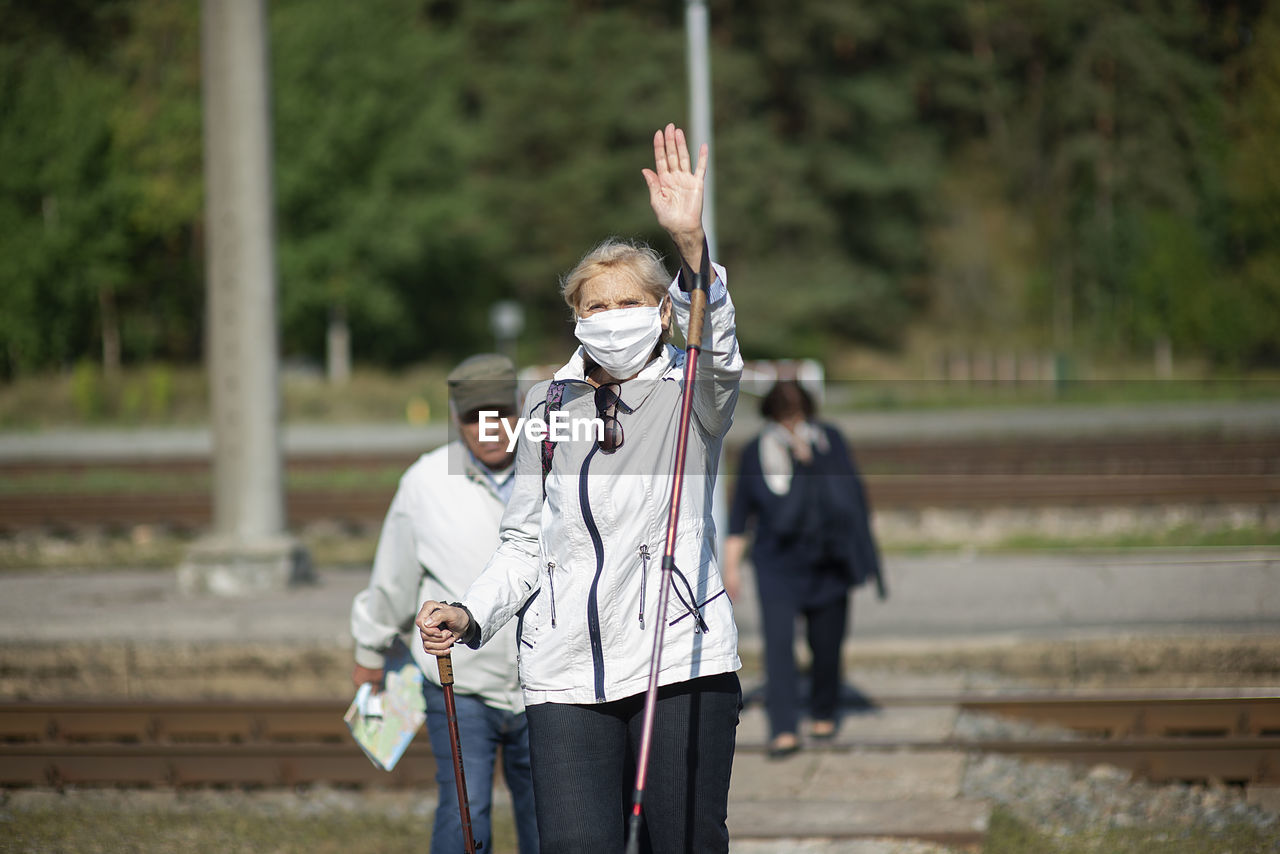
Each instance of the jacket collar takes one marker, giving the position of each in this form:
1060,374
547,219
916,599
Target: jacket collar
461,459
636,390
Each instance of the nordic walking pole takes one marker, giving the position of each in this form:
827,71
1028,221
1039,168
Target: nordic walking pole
699,284
445,665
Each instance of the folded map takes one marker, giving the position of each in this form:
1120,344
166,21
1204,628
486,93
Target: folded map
384,723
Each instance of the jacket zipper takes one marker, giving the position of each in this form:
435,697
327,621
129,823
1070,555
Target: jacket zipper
593,610
551,578
644,573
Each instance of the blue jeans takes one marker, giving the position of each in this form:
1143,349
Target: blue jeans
585,763
481,730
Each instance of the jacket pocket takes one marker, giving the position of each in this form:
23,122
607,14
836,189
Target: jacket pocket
696,611
688,601
521,639
694,552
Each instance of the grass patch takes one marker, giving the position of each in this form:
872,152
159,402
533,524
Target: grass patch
160,395
103,480
148,548
76,830
1181,536
81,830
155,394
1007,834
893,395
107,479
212,833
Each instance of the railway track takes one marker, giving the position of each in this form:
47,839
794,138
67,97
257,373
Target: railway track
1161,738
899,475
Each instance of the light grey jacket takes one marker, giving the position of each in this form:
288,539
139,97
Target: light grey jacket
579,571
441,529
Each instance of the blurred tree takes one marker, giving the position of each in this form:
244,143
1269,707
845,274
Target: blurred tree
156,128
995,169
1119,129
1243,324
377,226
1104,123
101,140
61,203
564,99
826,167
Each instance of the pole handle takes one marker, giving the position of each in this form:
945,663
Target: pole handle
697,316
444,663
697,285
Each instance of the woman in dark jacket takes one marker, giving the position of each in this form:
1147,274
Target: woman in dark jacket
798,485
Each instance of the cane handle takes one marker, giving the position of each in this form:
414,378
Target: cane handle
697,315
697,285
445,665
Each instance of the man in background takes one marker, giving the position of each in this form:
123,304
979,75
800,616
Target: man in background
438,535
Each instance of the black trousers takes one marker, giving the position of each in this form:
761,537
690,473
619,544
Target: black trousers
825,626
584,765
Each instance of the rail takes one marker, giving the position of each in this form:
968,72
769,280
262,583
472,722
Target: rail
904,475
1231,739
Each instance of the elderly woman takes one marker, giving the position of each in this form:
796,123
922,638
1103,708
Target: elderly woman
800,488
582,539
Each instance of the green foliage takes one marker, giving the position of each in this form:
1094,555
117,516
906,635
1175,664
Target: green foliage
1246,326
159,391
77,828
157,125
1008,834
825,169
58,195
132,397
80,228
86,390
992,169
361,178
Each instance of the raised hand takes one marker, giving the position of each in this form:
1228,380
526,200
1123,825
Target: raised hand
675,189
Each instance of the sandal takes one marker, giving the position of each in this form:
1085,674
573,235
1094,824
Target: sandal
783,745
823,730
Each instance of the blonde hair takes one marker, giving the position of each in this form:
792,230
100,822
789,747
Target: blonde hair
633,259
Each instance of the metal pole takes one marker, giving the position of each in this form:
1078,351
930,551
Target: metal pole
248,549
696,29
697,311
697,32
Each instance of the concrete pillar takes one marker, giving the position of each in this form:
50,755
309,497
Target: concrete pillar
249,549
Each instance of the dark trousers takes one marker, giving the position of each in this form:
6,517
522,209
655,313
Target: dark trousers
825,625
584,765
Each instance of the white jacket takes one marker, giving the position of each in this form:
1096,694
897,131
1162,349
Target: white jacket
580,570
441,529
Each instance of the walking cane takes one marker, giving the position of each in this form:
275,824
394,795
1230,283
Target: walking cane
445,664
699,283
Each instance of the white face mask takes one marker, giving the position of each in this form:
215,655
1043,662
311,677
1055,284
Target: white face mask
620,340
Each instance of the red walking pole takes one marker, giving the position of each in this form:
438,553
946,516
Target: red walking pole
693,338
445,664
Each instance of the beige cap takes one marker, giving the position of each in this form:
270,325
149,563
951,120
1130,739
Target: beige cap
486,381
